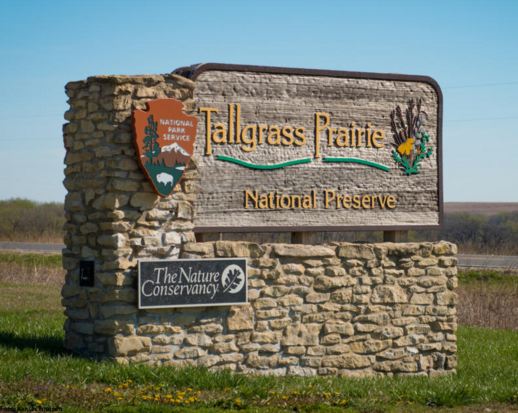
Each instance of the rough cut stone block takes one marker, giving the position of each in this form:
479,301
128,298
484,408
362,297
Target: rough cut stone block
385,294
349,361
220,348
299,334
324,283
240,318
291,300
256,361
302,251
69,290
375,318
144,200
370,346
112,327
238,249
445,248
355,251
262,303
190,353
262,338
318,297
388,332
345,329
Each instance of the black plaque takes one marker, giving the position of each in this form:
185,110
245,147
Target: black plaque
190,283
86,273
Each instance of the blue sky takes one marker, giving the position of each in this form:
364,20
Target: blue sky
468,47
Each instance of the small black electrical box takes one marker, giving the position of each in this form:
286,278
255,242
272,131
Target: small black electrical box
86,273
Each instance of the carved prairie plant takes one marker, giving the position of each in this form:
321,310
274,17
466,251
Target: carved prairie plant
410,138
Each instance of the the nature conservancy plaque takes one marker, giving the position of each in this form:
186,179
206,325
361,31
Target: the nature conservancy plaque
184,283
301,150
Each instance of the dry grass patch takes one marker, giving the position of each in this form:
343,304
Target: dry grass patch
31,275
488,299
23,268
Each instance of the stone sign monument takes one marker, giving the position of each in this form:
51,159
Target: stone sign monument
154,160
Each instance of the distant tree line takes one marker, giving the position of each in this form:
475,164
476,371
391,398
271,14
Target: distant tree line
26,220
494,234
477,234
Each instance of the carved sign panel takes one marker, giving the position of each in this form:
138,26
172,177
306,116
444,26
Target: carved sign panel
302,150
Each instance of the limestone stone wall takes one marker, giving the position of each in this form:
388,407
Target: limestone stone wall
337,309
345,309
113,215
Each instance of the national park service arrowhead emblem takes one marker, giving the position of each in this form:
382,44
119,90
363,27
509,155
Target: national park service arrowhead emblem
164,139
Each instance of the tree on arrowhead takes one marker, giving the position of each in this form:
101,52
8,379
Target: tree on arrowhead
151,147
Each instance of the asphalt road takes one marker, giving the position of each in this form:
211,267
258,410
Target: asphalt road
27,246
484,261
488,261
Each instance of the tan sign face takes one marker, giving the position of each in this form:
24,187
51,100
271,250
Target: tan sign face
164,138
297,150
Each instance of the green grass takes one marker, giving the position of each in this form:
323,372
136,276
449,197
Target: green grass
34,367
489,279
31,260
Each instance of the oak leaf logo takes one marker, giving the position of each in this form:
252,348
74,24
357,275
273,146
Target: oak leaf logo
233,279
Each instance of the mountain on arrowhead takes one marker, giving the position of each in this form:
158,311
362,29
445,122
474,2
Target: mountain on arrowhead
176,148
172,155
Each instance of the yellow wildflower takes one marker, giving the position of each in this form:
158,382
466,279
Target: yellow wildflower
238,400
406,147
38,401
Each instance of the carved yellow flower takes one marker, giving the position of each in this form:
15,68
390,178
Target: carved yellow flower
406,147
